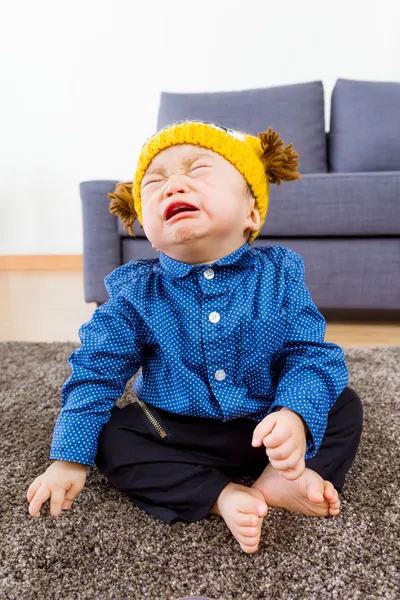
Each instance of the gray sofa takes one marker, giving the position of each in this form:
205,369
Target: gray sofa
342,217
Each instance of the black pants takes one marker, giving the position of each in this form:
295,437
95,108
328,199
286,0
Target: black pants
174,466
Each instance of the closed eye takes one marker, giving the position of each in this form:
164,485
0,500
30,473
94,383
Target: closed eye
148,182
158,180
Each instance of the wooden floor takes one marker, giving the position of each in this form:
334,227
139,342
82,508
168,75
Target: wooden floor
48,306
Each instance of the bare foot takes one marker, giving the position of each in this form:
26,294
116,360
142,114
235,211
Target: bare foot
308,495
243,510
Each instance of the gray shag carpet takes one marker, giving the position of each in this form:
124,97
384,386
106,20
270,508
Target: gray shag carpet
106,548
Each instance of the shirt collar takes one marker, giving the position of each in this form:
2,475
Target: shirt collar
243,257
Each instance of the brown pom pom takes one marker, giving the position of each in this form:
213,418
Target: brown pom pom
280,162
122,204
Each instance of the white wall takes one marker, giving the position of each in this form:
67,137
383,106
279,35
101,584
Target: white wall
80,85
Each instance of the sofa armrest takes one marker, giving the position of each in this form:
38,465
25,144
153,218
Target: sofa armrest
101,240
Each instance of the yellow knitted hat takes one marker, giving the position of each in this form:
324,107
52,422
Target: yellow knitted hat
261,160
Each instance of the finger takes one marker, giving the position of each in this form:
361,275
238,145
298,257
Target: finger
289,463
283,451
70,496
33,488
57,500
41,496
263,429
279,436
294,473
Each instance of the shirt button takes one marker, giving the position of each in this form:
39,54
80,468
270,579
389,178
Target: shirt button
214,317
208,273
220,375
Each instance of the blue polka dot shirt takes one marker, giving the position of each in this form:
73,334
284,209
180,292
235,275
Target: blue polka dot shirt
240,337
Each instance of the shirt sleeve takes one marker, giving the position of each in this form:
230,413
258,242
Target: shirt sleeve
109,355
311,373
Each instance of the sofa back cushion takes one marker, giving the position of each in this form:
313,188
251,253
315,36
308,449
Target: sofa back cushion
365,126
295,111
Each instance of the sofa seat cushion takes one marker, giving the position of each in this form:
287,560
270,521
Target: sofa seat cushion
340,273
337,204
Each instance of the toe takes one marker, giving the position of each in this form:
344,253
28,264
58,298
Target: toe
329,491
314,492
247,532
249,549
254,504
246,519
247,543
335,496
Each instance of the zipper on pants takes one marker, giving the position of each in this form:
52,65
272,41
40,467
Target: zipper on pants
151,417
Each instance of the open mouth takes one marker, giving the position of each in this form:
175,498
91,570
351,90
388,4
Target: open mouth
183,212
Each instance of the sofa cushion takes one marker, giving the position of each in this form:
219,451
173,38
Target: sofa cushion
335,204
340,273
329,204
365,126
295,111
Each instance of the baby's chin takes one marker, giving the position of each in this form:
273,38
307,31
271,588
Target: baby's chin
186,231
184,236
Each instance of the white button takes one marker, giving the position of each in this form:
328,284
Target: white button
220,375
214,317
208,273
283,311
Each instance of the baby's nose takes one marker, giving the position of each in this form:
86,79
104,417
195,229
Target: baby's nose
175,185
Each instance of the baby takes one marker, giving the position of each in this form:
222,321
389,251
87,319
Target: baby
236,377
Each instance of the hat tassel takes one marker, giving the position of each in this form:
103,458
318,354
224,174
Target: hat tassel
280,162
121,204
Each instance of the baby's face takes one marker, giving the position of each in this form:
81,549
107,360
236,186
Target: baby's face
204,179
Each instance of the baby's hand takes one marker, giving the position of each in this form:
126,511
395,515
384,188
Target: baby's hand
283,433
61,482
